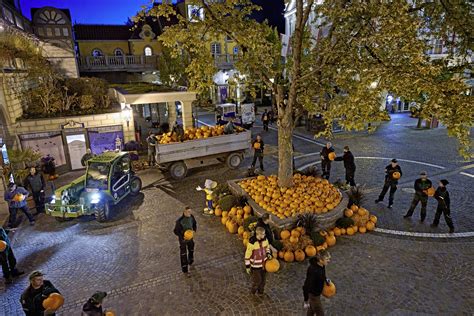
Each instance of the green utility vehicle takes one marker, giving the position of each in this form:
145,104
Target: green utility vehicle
108,180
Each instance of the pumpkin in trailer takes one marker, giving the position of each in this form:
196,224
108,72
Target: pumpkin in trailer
53,302
272,265
299,255
289,256
329,290
188,234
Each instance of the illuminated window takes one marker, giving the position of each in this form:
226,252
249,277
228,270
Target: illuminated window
97,53
118,52
148,51
215,49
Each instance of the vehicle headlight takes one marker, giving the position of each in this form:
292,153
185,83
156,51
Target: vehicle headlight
53,200
95,198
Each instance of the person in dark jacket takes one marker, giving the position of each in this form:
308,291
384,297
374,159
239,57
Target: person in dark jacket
258,147
229,127
325,161
32,298
265,120
93,307
444,205
390,182
349,165
421,185
35,183
314,283
14,205
264,222
186,247
7,259
179,130
87,156
152,142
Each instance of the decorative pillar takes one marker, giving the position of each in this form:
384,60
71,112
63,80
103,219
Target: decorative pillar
172,117
187,112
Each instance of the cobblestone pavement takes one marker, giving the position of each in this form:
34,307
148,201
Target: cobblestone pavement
135,257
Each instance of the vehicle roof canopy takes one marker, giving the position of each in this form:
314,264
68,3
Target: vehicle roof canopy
108,156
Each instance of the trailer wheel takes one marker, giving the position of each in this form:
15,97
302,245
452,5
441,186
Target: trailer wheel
135,185
178,170
102,212
234,160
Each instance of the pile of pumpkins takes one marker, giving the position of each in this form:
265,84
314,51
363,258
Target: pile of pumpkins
196,133
363,221
233,220
309,194
297,245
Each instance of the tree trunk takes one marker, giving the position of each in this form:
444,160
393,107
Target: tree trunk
285,141
420,121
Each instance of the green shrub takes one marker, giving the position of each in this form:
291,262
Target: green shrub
249,221
221,190
317,238
309,221
277,244
227,202
344,222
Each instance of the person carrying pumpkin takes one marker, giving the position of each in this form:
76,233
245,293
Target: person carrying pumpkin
258,147
421,185
349,165
184,224
209,186
325,160
442,196
35,294
258,251
314,283
7,258
16,198
393,172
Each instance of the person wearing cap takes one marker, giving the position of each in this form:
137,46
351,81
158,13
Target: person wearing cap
209,186
93,306
32,298
349,165
7,258
14,205
258,147
325,161
186,247
421,185
442,196
390,182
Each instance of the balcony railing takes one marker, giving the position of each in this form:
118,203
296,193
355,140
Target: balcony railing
225,61
117,63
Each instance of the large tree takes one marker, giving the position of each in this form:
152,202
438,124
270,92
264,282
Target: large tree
344,56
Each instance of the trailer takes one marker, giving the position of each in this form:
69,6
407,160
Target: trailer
178,158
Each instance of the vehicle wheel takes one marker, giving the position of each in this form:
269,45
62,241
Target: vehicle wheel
135,185
234,160
178,170
63,219
102,212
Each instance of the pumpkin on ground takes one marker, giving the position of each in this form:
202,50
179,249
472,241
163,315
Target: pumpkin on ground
272,265
310,251
289,256
188,234
299,255
294,240
285,234
3,245
240,231
362,230
348,213
354,207
232,227
370,226
247,209
329,290
337,231
281,254
295,233
330,240
218,211
350,231
224,220
53,302
373,219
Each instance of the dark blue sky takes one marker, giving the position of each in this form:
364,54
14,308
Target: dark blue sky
90,11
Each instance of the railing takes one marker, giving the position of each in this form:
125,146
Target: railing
117,63
224,61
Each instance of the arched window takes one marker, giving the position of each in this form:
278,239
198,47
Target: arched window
118,52
97,52
215,49
148,51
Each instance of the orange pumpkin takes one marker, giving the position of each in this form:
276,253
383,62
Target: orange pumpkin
256,145
218,211
3,245
294,240
337,231
299,255
289,256
370,226
188,234
310,251
430,192
233,227
373,219
246,235
330,240
285,234
350,231
272,265
343,231
396,175
109,313
295,233
18,197
329,290
224,220
362,230
354,207
361,211
247,209
225,213
240,230
281,254
53,302
348,213
332,155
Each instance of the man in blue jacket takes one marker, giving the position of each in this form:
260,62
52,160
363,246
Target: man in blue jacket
7,259
15,204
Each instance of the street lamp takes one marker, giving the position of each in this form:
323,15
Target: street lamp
126,113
